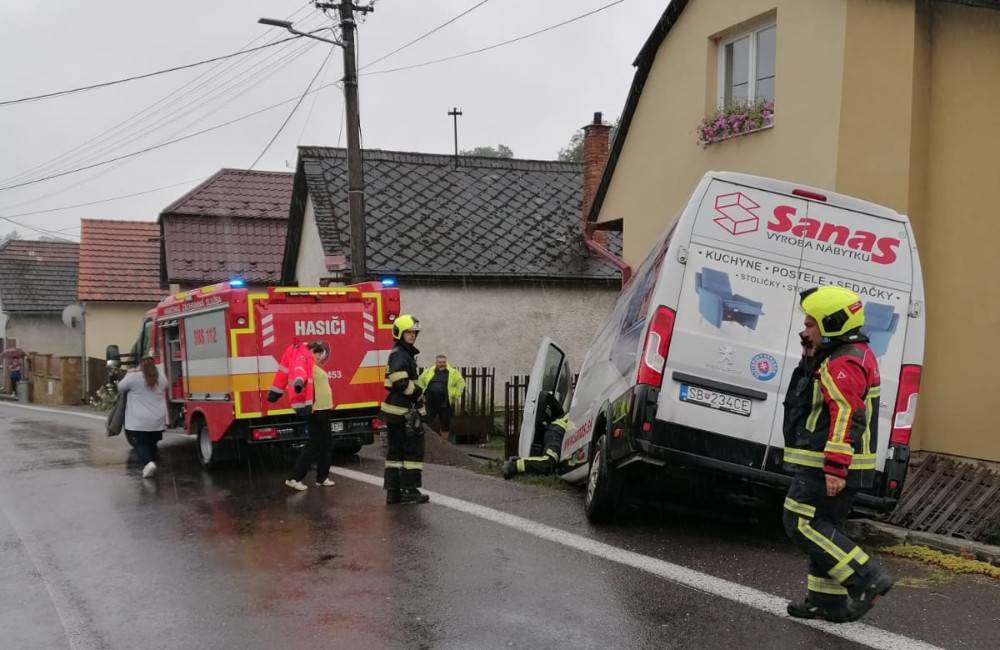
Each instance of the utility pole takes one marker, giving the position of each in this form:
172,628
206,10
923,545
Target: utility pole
355,171
454,114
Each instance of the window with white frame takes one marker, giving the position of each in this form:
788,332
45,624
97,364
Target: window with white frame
746,67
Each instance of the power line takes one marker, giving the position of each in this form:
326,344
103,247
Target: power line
292,112
99,201
105,84
425,35
496,45
170,142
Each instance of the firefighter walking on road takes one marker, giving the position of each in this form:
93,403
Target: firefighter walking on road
402,411
831,433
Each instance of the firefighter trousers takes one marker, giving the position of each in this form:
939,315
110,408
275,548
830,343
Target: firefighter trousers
404,457
815,523
549,460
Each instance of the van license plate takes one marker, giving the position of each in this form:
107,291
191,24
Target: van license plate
337,427
715,400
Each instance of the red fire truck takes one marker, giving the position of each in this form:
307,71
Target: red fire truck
219,347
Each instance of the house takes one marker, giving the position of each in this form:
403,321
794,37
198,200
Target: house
231,225
488,253
119,281
37,281
894,102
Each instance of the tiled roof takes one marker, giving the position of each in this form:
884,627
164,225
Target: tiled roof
238,193
120,261
204,250
489,218
38,276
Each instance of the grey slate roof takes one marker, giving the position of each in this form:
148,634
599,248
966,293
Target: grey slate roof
490,218
38,276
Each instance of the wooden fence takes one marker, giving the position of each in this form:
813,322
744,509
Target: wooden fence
473,418
515,391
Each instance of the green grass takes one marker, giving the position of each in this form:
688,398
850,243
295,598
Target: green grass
490,468
953,563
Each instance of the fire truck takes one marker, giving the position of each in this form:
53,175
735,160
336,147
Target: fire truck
218,347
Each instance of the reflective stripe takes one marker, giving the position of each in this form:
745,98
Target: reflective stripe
411,387
809,458
422,410
863,461
391,409
561,422
409,464
803,509
843,406
874,391
823,543
817,408
838,448
842,571
387,384
394,464
552,453
825,586
520,466
398,375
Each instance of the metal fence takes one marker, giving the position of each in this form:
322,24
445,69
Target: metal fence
473,416
515,391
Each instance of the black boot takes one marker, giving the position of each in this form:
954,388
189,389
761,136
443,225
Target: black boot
510,467
413,495
878,586
392,496
806,609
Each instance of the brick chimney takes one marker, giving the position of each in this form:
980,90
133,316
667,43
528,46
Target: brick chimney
596,147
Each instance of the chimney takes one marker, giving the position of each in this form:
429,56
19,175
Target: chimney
596,147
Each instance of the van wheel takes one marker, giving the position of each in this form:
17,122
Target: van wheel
209,453
604,488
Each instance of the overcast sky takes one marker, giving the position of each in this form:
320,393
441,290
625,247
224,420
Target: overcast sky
530,96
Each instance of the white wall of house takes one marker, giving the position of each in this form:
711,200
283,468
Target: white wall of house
501,325
311,264
113,323
44,333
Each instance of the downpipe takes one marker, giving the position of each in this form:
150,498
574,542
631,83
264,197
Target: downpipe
588,238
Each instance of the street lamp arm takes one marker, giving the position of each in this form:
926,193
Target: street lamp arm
284,24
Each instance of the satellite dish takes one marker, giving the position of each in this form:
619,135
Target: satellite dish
72,316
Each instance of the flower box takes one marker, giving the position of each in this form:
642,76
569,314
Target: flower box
734,120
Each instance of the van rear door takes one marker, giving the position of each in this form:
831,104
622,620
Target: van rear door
729,357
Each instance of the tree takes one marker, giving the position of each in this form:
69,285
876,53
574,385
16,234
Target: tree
573,151
500,151
13,234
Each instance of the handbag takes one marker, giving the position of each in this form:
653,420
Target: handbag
116,418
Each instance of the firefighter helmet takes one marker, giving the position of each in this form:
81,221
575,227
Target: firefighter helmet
836,310
404,323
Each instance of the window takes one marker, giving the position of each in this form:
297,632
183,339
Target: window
746,67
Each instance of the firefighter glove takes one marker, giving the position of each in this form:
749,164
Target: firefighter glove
273,396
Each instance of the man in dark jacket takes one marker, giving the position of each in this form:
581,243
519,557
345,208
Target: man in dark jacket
831,433
402,411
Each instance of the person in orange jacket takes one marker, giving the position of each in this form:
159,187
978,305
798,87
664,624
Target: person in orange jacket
295,370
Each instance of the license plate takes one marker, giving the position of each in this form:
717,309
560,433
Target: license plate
713,399
337,427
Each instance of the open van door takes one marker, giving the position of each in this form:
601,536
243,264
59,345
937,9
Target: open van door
549,374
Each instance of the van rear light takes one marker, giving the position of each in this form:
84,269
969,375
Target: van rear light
656,347
906,405
266,433
377,424
809,194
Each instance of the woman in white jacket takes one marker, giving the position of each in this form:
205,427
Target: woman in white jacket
145,411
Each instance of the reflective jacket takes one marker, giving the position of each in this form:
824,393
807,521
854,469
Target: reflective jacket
294,377
456,383
401,381
831,412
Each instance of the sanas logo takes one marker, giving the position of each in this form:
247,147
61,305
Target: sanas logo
331,327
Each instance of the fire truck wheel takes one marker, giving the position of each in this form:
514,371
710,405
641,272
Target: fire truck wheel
209,453
603,487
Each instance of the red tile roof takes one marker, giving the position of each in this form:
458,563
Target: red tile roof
238,193
204,250
120,261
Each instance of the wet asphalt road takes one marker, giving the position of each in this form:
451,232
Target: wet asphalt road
93,556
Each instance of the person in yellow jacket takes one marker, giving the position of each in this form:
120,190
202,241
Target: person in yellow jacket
317,448
443,386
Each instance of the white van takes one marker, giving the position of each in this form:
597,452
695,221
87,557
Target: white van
690,368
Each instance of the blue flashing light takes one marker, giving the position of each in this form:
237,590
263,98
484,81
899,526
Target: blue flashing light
236,283
388,282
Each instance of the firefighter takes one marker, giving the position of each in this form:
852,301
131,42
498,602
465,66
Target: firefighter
402,411
831,433
553,423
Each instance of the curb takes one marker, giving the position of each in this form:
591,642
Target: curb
882,534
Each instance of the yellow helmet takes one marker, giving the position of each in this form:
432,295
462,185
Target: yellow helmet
836,310
404,323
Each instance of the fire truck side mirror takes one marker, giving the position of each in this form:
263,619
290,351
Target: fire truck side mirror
112,356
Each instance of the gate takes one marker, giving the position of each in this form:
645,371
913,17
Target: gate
473,418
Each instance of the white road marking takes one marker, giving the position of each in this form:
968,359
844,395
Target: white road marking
73,622
868,635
